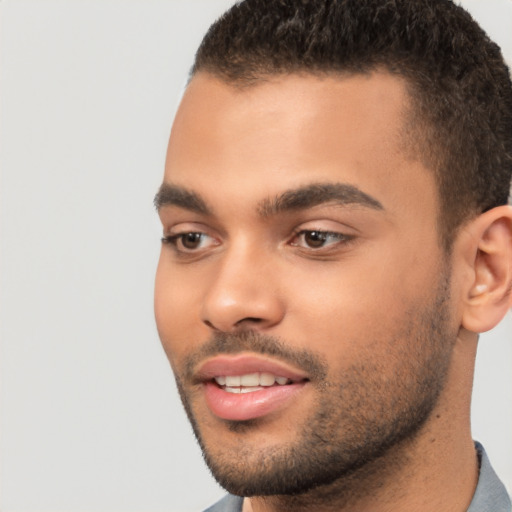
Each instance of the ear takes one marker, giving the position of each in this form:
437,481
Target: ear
488,292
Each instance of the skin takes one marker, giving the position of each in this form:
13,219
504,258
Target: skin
357,303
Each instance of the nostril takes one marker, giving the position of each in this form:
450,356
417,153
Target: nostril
246,322
249,319
209,324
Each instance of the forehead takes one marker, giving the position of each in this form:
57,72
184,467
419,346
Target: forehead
292,130
343,109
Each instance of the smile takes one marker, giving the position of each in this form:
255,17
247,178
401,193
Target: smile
250,382
248,386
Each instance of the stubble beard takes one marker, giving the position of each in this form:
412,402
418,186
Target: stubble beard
358,420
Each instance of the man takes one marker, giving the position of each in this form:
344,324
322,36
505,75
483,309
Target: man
336,235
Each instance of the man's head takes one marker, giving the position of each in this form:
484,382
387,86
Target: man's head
320,332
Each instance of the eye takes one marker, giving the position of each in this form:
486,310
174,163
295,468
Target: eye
190,242
318,239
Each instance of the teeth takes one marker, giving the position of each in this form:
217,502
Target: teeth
242,390
232,382
250,380
253,379
267,379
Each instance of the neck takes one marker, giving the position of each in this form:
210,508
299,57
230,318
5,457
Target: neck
437,469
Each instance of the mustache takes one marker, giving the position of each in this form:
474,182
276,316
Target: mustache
221,343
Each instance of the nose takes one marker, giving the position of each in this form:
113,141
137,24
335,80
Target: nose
243,294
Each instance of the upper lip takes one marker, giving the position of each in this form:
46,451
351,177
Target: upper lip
243,364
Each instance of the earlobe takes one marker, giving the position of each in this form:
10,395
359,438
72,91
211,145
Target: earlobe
488,297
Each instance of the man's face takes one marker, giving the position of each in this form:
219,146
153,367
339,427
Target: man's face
301,296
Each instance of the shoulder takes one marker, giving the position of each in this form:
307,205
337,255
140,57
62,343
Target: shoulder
229,503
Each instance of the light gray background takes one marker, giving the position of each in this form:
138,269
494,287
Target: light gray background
90,420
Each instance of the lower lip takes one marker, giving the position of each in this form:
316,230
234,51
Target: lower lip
249,406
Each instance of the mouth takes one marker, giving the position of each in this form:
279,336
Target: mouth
250,382
245,387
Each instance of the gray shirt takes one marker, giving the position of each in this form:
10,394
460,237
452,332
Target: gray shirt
490,494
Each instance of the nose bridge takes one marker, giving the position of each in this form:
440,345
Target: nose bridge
244,290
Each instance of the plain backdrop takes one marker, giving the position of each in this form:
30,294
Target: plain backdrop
90,420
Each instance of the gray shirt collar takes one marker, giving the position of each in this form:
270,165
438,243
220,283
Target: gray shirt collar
490,494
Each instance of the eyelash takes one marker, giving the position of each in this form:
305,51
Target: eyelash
321,236
174,240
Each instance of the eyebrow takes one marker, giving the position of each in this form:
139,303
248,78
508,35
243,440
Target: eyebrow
316,194
173,195
300,198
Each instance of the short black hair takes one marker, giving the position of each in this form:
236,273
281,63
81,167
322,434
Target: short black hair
461,110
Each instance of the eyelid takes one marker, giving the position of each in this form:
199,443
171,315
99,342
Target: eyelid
174,236
179,228
340,239
184,254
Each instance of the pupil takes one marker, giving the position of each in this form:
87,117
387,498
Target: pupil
315,239
191,240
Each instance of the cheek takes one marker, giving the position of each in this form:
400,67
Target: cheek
176,311
350,304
